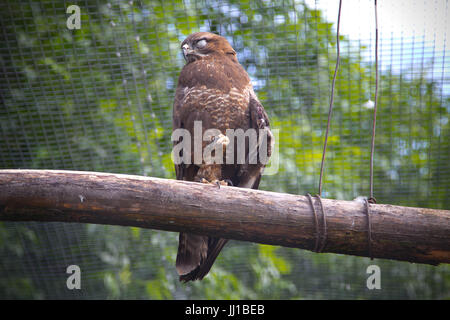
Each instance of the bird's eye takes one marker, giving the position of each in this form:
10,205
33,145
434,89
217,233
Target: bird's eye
201,43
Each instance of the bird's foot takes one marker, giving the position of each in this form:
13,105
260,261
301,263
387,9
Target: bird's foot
221,139
218,183
228,182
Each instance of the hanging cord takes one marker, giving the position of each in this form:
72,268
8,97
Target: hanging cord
325,235
372,199
316,222
369,228
330,111
374,125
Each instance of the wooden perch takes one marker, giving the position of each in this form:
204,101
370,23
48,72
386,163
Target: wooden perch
400,233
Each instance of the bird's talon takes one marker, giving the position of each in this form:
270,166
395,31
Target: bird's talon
228,182
219,183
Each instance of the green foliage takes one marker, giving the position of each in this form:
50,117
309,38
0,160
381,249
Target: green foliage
100,98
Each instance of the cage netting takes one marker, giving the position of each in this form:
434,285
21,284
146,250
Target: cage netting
99,98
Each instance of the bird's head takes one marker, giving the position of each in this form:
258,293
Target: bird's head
202,45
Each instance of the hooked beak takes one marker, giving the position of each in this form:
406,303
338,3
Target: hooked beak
186,51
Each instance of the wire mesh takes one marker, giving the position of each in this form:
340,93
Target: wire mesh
100,98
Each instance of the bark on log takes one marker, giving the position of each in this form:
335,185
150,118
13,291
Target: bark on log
399,233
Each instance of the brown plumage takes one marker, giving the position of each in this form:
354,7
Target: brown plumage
215,89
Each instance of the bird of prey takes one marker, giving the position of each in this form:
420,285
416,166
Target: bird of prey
214,90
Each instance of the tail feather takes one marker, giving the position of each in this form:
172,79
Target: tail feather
192,250
215,245
196,254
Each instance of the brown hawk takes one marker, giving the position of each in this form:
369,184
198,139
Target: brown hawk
215,91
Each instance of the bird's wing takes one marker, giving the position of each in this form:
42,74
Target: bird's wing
178,124
250,174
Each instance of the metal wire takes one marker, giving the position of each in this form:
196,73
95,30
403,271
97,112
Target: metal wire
330,111
369,228
374,124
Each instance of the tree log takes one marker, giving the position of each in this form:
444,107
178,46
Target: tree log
399,233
